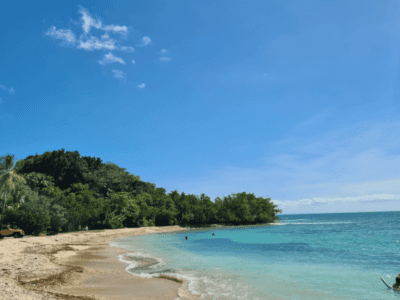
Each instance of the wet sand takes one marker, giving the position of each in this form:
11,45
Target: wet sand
78,265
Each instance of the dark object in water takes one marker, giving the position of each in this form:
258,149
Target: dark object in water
213,234
387,285
185,237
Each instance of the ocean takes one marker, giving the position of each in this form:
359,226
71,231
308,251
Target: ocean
315,256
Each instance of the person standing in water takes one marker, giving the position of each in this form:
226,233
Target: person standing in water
397,284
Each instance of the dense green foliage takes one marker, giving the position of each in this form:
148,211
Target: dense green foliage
67,192
7,179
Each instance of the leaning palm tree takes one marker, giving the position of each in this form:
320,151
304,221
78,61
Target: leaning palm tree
7,177
17,196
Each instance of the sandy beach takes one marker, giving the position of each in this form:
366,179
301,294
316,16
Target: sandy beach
78,265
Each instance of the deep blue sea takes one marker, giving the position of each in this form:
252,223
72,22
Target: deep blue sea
315,256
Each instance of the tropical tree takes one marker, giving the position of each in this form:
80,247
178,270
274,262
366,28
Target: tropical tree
119,208
64,190
37,181
7,177
16,197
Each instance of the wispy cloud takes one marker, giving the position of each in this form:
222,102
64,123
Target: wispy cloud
165,59
163,54
65,35
316,201
145,41
119,74
94,43
116,28
10,90
90,42
141,86
352,168
109,59
133,62
127,49
88,21
107,37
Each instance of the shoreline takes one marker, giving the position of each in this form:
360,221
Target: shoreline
79,265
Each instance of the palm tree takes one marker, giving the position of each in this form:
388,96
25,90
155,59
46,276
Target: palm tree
7,177
17,196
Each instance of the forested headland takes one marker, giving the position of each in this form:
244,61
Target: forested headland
66,192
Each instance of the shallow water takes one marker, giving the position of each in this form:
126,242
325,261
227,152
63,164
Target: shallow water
319,256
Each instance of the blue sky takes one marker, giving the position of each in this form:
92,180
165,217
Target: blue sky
294,100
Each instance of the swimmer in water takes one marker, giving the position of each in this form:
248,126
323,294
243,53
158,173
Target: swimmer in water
397,284
213,234
185,237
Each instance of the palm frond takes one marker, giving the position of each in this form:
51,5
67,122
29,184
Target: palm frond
4,182
3,178
6,179
18,177
7,162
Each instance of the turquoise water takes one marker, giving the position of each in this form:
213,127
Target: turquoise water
319,256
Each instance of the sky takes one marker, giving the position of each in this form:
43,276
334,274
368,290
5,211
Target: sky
297,101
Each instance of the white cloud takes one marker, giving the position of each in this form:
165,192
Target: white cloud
93,43
145,41
343,168
90,42
163,54
338,200
88,21
133,62
109,59
116,28
11,90
127,49
62,34
119,74
141,86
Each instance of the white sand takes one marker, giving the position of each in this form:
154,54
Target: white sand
30,259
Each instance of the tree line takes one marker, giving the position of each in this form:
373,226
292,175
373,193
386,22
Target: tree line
66,192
